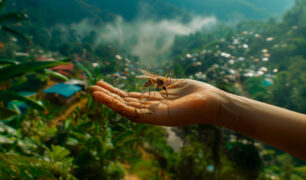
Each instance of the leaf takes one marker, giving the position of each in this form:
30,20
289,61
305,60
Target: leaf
72,141
12,17
78,64
8,61
15,33
58,153
119,138
7,130
6,113
55,74
6,140
15,166
20,69
130,140
9,95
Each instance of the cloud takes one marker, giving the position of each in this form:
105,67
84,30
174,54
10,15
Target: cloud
150,40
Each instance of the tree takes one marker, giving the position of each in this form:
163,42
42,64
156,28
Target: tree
297,75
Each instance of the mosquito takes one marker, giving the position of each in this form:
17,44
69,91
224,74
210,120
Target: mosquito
157,81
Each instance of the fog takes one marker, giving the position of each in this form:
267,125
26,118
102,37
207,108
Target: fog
150,40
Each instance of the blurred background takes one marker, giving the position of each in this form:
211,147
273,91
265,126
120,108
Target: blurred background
52,51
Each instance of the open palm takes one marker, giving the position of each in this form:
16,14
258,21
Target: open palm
188,102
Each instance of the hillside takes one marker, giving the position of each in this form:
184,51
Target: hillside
68,11
233,10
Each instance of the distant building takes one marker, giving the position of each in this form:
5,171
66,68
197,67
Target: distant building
62,93
81,83
65,69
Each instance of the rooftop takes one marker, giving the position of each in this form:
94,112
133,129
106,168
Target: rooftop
65,67
62,89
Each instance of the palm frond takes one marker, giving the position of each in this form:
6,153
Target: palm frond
83,68
7,61
20,69
55,74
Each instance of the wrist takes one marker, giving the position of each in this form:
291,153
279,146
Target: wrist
217,110
228,109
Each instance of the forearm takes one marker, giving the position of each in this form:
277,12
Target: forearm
273,125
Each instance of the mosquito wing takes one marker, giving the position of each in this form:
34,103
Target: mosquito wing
147,73
143,77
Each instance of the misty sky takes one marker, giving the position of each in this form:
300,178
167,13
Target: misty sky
150,36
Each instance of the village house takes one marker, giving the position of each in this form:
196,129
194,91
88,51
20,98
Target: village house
61,93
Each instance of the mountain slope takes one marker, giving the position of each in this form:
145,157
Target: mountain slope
230,9
68,11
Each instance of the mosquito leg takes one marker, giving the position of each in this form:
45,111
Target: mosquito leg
149,94
169,76
144,91
164,94
172,72
165,78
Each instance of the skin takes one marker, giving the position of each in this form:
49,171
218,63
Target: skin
194,102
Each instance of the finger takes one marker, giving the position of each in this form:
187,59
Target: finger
134,94
129,99
114,104
132,113
98,88
111,88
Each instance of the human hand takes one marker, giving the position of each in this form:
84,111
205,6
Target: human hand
188,102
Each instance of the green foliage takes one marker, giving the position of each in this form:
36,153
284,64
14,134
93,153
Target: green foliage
6,113
26,67
297,77
88,73
17,69
179,71
144,169
254,85
6,96
55,74
193,162
14,166
246,158
7,61
282,87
